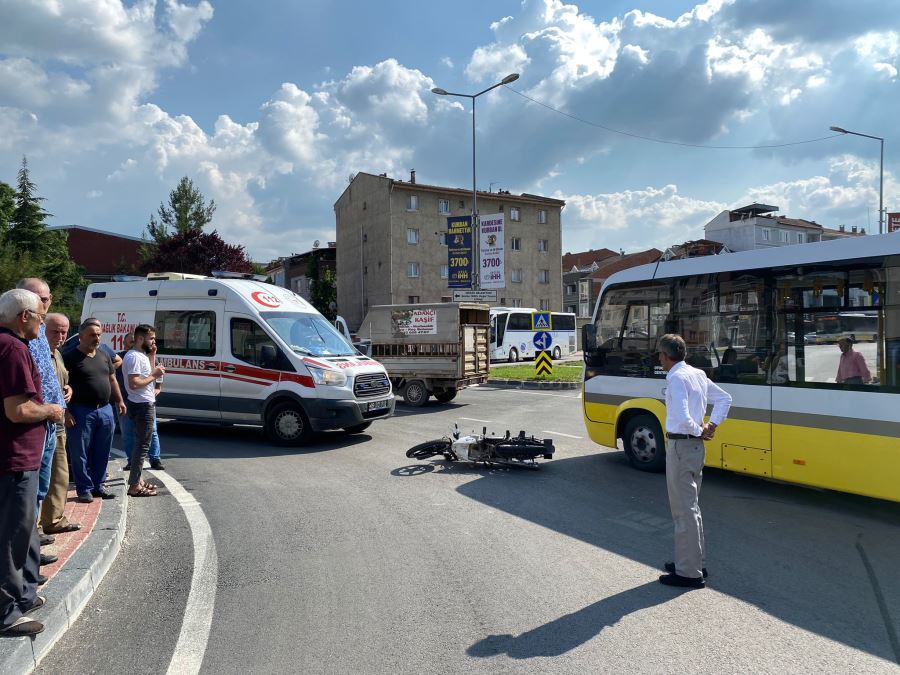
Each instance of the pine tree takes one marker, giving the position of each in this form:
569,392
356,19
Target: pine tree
186,212
7,207
26,228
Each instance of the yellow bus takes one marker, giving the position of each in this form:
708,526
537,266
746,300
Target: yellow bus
746,319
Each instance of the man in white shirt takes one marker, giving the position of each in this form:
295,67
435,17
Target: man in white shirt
687,392
141,371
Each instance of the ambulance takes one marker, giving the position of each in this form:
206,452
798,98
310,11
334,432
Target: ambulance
240,351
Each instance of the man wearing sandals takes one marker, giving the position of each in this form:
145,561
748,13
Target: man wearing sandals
141,371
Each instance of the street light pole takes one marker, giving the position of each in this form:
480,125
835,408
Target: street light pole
880,177
476,225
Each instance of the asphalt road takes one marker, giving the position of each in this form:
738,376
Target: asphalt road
346,557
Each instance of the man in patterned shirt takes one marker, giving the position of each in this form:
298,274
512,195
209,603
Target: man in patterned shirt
52,392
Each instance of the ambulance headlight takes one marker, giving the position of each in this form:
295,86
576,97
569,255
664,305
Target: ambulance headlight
335,378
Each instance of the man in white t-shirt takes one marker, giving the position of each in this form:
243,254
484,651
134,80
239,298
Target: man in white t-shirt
141,371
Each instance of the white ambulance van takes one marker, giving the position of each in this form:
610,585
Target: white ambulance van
241,351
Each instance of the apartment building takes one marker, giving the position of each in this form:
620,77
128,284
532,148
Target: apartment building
759,226
391,247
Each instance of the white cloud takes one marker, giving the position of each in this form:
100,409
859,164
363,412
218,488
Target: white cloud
496,62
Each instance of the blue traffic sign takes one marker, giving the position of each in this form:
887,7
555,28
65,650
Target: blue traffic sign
541,321
542,340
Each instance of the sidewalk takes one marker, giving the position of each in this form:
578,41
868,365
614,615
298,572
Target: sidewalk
84,558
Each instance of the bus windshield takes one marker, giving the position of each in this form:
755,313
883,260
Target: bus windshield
308,334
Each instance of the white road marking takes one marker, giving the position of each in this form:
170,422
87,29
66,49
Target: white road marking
198,613
473,419
559,433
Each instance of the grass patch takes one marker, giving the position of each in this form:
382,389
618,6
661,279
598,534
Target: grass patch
561,373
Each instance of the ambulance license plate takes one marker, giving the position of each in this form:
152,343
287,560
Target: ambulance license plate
378,405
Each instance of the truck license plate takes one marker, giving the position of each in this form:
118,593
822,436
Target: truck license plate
378,405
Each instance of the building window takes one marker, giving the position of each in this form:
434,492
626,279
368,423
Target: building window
445,271
542,217
543,245
801,238
584,289
412,270
514,213
515,276
766,234
583,309
515,244
785,236
412,236
543,276
413,299
446,298
515,302
444,206
412,203
442,237
545,304
462,204
571,289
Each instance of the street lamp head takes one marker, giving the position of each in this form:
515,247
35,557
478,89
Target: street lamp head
510,78
838,129
439,91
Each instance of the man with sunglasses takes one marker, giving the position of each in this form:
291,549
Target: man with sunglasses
24,426
52,392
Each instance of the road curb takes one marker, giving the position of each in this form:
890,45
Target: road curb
532,384
70,589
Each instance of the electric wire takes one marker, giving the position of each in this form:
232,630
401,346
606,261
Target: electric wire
668,142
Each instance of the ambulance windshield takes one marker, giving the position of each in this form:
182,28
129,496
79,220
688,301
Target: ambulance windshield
308,334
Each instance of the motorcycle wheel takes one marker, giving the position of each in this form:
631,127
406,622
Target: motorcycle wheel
429,449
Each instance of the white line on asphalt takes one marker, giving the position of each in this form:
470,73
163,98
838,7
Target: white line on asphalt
198,613
473,419
559,433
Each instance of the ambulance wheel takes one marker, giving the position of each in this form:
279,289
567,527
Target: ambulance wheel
445,396
358,428
415,394
513,355
287,424
556,353
644,444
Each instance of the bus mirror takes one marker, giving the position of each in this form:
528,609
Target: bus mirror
589,337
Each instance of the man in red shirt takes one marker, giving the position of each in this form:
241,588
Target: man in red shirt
24,424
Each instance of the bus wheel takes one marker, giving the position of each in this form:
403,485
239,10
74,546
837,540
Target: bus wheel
644,444
415,394
556,353
286,424
513,355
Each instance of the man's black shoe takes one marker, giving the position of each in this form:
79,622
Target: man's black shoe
127,467
47,539
85,497
683,582
42,579
103,494
156,464
47,559
23,627
670,568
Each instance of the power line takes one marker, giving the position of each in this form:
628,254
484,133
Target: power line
667,142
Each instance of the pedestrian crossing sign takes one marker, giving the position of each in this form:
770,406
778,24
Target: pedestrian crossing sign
540,321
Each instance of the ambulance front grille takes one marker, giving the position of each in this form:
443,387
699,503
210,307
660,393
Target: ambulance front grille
370,386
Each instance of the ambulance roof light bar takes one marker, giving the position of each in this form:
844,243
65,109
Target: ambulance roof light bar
224,274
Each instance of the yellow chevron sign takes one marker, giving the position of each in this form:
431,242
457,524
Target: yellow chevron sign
543,364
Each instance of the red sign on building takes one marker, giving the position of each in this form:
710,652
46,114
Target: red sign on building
893,222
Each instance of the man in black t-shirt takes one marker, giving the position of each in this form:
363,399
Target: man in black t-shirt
89,418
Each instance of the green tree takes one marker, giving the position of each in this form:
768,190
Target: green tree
30,249
322,288
7,208
187,211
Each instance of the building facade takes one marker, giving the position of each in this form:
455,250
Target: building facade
758,226
576,267
391,247
292,271
102,254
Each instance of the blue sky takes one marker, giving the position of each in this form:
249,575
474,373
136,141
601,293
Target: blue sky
270,106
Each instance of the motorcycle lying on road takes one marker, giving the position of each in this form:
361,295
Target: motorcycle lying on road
518,450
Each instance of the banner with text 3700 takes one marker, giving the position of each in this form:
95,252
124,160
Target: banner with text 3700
459,252
492,259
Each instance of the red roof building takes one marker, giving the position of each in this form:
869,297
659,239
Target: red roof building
102,254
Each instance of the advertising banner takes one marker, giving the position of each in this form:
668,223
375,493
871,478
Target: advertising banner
492,247
893,222
414,321
459,252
